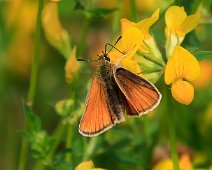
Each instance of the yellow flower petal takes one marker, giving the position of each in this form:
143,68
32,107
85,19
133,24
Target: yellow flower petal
114,56
145,24
182,64
125,24
72,66
130,65
185,162
164,165
131,39
174,17
189,24
55,0
178,22
182,91
88,165
167,164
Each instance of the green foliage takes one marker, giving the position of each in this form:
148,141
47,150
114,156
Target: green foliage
41,143
99,13
203,55
52,131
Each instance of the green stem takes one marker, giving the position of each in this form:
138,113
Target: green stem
69,142
90,148
146,130
116,18
32,86
34,73
133,10
23,155
172,135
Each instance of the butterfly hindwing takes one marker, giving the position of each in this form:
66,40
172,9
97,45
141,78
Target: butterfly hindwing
97,117
141,95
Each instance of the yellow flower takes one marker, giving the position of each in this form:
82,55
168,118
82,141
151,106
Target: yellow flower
128,44
148,45
145,24
54,32
135,36
72,66
88,165
178,24
181,67
167,164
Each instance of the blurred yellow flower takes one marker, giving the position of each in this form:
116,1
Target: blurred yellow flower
178,24
167,164
146,5
20,17
55,0
181,67
54,32
72,66
205,77
88,165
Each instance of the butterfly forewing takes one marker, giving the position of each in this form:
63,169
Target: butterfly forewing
141,95
97,117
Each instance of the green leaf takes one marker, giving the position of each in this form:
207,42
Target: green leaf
100,13
78,6
203,55
26,135
33,121
192,49
41,144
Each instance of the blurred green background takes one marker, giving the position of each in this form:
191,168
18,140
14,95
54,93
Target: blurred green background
138,143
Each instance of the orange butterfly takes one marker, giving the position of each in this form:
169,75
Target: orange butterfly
113,92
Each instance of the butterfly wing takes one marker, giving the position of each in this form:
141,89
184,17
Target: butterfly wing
140,94
97,117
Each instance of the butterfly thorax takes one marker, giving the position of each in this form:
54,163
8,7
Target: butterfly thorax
104,70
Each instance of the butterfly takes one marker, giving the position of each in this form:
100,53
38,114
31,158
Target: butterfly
114,93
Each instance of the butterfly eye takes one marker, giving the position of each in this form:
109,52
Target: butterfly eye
106,57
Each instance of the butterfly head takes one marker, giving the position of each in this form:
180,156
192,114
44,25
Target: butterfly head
104,57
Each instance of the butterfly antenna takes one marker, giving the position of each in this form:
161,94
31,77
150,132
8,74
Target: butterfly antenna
118,40
112,48
81,59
